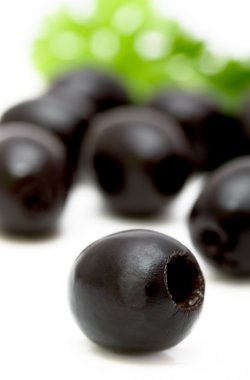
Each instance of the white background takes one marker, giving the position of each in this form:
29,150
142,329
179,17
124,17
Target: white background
38,336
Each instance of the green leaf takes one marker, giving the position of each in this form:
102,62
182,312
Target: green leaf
147,50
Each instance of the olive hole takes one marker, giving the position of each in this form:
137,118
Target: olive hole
185,282
170,174
36,198
110,173
210,238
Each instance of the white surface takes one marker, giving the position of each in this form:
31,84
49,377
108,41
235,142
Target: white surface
38,336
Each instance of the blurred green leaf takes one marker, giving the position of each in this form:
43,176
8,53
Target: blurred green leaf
146,49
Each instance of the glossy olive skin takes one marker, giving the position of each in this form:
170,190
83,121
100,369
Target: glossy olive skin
214,136
220,220
102,90
140,159
33,166
58,117
246,118
136,291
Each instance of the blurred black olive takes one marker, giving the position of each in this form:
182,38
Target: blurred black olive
140,159
214,136
220,220
33,189
58,117
102,90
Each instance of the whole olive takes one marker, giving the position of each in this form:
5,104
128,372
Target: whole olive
140,159
215,137
136,291
220,219
33,188
58,117
103,90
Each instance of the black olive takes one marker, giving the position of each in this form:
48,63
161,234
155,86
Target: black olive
58,117
101,89
214,136
33,187
220,219
136,291
140,159
246,118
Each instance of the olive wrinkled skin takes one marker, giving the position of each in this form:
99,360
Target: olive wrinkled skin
136,291
220,219
140,159
33,167
103,90
215,137
58,117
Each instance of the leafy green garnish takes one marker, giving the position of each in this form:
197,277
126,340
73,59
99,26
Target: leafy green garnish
147,50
